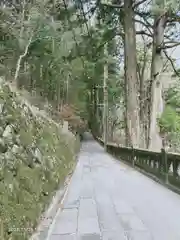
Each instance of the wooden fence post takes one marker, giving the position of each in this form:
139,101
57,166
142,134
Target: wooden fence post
164,162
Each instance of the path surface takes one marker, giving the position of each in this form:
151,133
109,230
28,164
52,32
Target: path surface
110,201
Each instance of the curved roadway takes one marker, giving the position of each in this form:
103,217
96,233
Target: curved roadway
110,201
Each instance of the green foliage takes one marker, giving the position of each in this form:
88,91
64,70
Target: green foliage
172,97
170,120
171,114
52,66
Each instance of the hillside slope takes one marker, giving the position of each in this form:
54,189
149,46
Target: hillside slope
35,158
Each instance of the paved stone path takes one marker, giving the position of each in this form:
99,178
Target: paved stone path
110,201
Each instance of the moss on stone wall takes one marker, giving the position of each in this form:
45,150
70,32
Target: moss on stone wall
35,157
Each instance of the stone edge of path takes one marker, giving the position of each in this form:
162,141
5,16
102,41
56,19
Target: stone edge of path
46,219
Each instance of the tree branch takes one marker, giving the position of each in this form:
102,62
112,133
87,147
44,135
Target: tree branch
147,25
142,32
169,37
170,46
112,5
143,14
139,3
173,19
18,65
172,64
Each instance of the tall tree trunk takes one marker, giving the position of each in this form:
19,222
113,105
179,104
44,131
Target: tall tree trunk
105,110
156,100
142,95
131,80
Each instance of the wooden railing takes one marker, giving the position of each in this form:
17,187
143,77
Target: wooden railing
163,165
